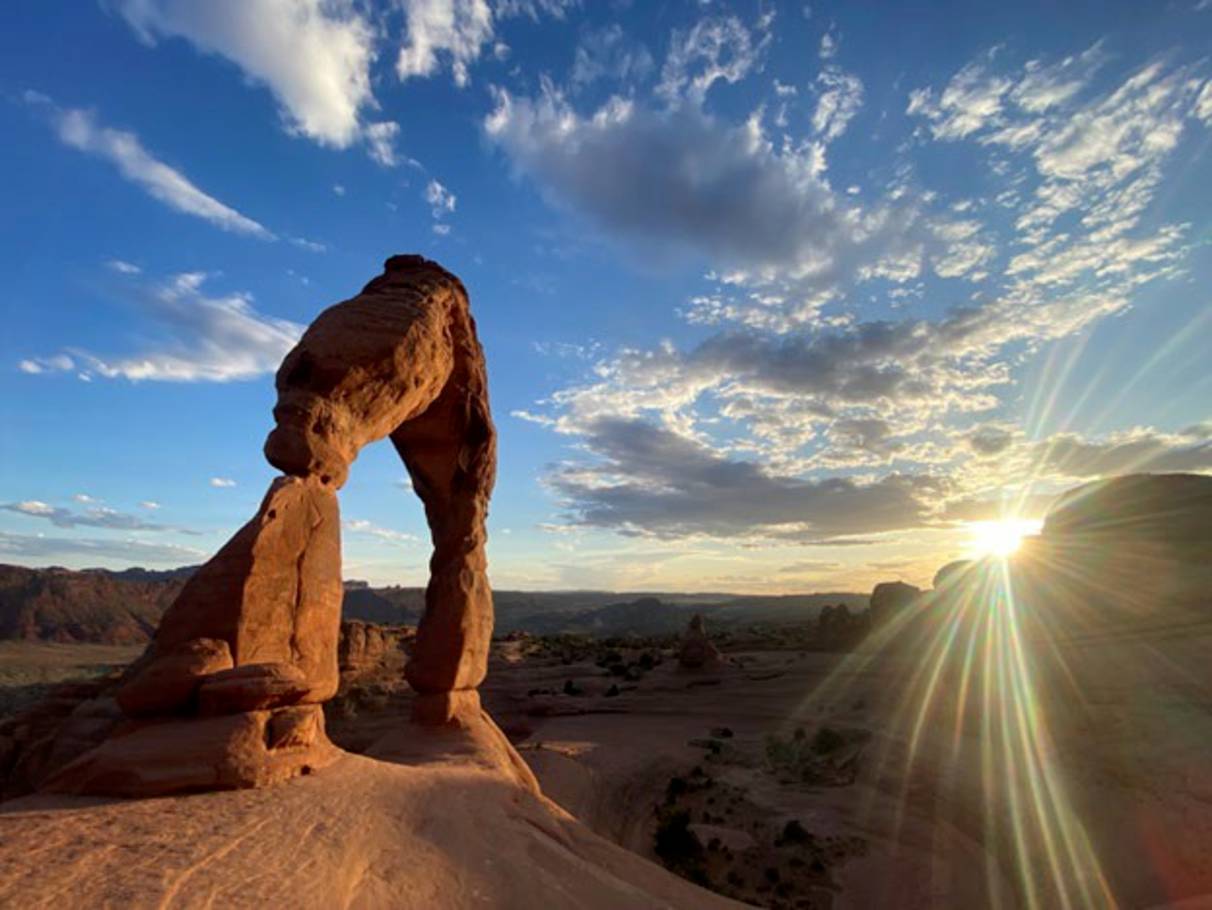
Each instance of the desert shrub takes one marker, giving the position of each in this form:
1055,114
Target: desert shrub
827,740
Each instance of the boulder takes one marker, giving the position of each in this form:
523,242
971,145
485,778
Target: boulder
697,651
889,598
251,687
168,682
365,647
233,751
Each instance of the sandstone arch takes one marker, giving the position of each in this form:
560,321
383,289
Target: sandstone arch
229,692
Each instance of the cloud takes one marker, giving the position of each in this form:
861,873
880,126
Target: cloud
388,535
96,517
123,268
134,551
651,481
455,29
840,99
203,338
828,46
312,246
313,55
606,53
441,200
685,181
79,129
454,33
150,504
381,142
798,392
714,48
222,482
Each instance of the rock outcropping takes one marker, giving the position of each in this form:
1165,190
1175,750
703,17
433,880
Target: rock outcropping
697,651
229,693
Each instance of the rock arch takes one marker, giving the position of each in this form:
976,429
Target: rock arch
229,692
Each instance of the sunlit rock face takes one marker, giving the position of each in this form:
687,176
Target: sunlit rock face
229,692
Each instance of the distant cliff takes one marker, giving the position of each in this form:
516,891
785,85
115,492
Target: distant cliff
93,605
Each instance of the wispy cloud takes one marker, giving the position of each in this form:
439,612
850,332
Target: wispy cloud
370,529
203,338
132,551
222,482
95,517
79,129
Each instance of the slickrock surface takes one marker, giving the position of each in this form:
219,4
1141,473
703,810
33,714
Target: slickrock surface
361,833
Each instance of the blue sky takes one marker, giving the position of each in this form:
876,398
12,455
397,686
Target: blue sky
775,297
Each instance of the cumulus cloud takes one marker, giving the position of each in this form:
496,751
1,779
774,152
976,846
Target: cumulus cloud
313,55
80,130
788,396
31,546
95,517
686,181
202,338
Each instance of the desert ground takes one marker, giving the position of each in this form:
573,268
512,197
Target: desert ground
1070,771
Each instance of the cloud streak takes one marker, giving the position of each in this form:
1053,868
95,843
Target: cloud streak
204,338
80,130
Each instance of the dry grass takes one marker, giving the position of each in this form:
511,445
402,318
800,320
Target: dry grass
28,669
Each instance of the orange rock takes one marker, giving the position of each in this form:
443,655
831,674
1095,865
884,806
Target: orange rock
167,682
273,593
402,359
251,687
233,751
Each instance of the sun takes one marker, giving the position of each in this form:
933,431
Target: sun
999,538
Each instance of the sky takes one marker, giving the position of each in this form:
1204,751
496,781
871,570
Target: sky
775,297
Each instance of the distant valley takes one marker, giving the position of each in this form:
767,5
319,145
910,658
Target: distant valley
99,606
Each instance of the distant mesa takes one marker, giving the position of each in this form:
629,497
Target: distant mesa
229,693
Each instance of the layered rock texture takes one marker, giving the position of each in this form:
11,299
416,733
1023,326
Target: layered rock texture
228,694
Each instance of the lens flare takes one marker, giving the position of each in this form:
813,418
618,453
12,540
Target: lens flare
999,538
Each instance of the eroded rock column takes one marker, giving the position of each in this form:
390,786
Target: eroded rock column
229,693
